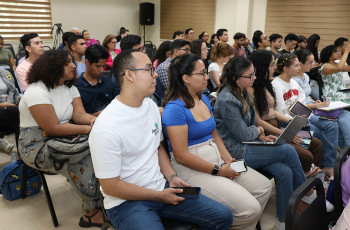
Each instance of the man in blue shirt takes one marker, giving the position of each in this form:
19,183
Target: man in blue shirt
96,90
77,47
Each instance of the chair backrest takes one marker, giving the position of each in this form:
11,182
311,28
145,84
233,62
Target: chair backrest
338,201
150,49
314,216
10,47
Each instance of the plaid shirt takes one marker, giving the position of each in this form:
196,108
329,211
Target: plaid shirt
162,72
239,51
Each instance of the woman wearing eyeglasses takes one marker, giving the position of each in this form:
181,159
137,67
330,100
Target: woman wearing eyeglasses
236,122
110,43
198,154
264,102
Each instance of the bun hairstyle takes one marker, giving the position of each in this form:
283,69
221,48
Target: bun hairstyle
285,60
221,50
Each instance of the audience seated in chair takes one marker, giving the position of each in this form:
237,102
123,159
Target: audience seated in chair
261,41
96,90
77,47
109,42
290,42
34,48
287,91
197,152
132,165
47,107
236,122
88,41
9,114
6,56
178,47
267,117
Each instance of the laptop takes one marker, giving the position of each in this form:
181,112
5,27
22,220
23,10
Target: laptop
288,134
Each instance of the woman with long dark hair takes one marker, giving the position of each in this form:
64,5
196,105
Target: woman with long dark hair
288,91
198,154
163,52
236,122
312,44
264,100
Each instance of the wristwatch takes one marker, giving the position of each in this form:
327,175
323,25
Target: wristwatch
215,170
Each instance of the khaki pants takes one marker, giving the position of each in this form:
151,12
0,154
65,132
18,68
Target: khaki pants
246,196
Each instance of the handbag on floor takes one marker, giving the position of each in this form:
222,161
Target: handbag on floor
18,180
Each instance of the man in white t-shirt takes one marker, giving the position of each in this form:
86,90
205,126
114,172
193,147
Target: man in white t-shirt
133,168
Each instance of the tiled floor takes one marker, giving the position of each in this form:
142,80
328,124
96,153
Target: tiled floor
32,213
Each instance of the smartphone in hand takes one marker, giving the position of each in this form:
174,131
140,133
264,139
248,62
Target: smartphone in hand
189,192
239,166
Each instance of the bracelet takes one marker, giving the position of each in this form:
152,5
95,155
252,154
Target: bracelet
171,177
219,172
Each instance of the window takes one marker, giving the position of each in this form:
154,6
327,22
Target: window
18,17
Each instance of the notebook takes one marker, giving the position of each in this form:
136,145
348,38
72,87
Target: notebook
288,134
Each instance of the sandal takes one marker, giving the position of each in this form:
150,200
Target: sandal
88,224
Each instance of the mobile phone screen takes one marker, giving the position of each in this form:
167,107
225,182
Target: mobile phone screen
189,191
239,166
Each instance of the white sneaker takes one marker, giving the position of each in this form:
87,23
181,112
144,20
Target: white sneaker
5,145
309,199
280,225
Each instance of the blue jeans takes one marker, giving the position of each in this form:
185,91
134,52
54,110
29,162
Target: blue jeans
344,128
142,214
283,163
327,132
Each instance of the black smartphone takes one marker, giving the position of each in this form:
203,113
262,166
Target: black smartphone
299,109
239,166
189,192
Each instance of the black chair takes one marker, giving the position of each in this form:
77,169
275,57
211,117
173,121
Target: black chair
21,53
150,49
315,215
47,48
338,201
10,47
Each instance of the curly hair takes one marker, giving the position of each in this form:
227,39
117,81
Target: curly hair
181,65
160,54
326,53
232,71
49,68
261,60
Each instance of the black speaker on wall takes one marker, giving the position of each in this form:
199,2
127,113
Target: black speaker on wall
146,13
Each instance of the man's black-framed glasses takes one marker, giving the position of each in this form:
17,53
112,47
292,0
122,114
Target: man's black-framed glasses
150,70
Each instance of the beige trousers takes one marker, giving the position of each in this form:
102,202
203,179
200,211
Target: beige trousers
246,196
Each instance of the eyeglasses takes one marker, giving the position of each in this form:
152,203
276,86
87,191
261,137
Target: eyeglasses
150,70
141,49
187,50
201,73
251,76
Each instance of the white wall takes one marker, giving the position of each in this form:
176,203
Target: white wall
243,16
